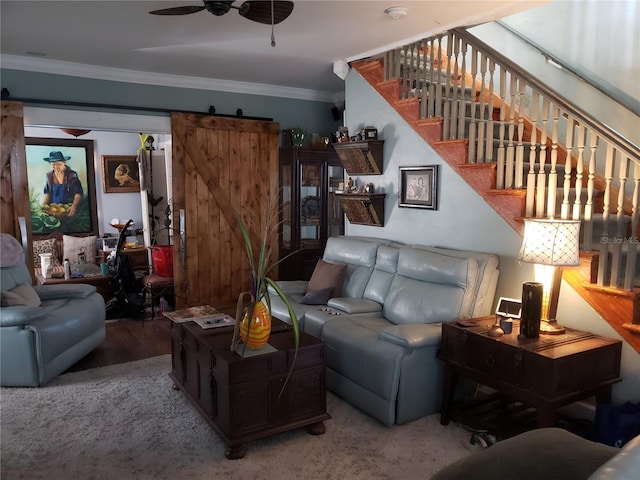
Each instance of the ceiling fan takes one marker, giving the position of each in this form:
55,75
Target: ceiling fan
269,12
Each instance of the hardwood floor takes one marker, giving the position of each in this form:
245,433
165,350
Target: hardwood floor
128,340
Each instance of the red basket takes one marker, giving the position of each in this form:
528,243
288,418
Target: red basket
162,258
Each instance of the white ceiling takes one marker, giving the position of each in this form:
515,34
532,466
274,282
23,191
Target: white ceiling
43,35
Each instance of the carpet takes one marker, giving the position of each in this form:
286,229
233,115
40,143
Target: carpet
126,422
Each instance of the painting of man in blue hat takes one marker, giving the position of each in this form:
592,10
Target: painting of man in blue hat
62,186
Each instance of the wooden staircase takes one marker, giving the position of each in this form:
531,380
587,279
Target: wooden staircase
620,308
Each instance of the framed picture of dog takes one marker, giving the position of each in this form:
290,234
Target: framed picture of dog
120,174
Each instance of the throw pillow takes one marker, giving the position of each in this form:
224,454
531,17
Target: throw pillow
21,295
45,246
73,246
317,297
327,275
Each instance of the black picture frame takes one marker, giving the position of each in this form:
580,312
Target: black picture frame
419,187
79,157
114,179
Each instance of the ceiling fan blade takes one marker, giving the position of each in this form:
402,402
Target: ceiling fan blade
260,11
186,10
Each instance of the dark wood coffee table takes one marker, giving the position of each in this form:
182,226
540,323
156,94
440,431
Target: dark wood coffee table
243,398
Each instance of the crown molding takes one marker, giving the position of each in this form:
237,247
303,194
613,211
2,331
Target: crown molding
58,67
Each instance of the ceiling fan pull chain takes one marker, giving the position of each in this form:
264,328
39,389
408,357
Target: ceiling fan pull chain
273,36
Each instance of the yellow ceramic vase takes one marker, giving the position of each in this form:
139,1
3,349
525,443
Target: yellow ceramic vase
260,328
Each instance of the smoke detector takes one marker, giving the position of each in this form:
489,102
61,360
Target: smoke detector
395,13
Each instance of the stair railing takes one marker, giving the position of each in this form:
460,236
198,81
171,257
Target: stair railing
571,165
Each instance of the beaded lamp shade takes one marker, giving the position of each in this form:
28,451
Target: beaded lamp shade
551,242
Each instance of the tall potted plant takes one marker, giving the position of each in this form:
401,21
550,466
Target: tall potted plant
255,328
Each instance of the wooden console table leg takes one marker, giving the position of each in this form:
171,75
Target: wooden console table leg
317,428
546,416
236,452
448,393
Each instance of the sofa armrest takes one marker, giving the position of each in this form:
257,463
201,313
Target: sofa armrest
413,335
291,287
71,290
354,305
625,464
20,315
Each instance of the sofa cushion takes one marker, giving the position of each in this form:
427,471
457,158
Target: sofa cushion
360,257
45,246
73,246
429,288
23,295
317,297
543,453
327,275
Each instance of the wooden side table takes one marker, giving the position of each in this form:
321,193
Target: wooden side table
102,283
545,372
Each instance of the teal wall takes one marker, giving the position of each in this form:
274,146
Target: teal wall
312,116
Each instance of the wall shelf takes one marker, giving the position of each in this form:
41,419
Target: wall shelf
363,208
361,158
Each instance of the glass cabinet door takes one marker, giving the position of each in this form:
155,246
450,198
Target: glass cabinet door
335,217
310,211
286,220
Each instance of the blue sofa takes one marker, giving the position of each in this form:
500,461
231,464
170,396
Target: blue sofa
47,328
382,332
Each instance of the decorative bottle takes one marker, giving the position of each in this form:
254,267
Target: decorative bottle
67,269
531,309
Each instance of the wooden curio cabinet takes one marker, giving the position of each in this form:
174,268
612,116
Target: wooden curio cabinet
310,212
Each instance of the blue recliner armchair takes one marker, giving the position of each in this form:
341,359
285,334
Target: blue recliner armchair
44,329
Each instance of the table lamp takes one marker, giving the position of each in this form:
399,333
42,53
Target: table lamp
550,244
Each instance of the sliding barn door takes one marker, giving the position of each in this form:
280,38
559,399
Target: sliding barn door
220,166
14,190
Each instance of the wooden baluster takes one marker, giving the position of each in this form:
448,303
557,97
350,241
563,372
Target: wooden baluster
438,85
482,124
603,260
519,169
489,136
531,175
564,211
454,91
446,96
616,242
513,89
577,203
588,208
462,108
414,62
542,160
473,146
433,78
552,182
503,113
425,73
632,248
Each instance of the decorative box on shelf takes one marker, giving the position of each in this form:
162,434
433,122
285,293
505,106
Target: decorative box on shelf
363,208
361,158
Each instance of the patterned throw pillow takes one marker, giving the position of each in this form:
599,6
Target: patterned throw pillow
72,246
45,246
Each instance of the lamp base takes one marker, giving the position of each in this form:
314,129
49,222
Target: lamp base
551,327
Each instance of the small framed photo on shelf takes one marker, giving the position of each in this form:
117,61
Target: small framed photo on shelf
419,187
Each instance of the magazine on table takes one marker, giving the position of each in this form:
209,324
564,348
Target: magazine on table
206,316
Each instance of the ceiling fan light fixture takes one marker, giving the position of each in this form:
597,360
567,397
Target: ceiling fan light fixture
395,13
